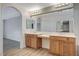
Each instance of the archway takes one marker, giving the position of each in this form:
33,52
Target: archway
12,25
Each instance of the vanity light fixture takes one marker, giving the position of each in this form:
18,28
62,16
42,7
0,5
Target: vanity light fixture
60,5
51,8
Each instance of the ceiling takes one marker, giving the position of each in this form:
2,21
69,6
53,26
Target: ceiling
31,6
11,12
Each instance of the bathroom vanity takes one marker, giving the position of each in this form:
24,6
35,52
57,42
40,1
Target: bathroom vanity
59,43
53,31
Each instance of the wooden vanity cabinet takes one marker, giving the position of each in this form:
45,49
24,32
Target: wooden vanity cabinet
32,40
64,46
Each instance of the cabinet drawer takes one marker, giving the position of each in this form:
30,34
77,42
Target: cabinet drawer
59,38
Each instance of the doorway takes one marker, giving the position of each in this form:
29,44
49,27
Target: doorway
12,28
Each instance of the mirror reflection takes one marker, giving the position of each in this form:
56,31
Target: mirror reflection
30,24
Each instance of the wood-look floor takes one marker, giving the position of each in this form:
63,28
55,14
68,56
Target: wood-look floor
27,52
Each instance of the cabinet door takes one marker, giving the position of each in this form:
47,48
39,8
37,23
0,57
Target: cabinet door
34,42
71,50
67,48
28,43
63,48
28,40
54,46
39,43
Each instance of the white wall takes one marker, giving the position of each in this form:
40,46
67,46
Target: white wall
1,33
13,28
76,21
9,12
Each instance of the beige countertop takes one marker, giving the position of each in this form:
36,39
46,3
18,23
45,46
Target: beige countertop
47,34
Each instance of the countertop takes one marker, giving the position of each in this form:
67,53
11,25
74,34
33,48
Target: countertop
47,34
